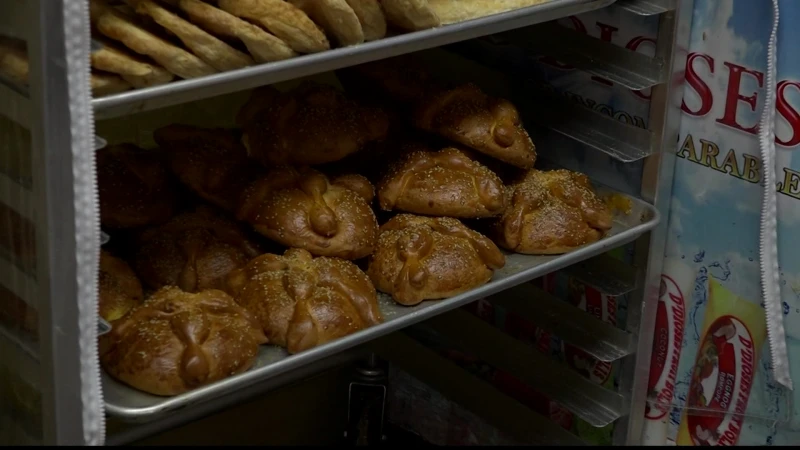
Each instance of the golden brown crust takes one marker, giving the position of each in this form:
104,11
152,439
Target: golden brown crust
302,302
14,60
119,27
410,15
371,16
301,208
356,183
213,51
283,20
119,289
427,258
336,17
552,212
262,45
134,70
314,124
450,11
178,341
134,187
211,162
470,117
441,183
194,251
106,84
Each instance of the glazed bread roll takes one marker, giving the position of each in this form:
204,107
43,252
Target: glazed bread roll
212,163
302,302
336,17
134,187
427,258
302,208
194,251
282,19
441,183
213,51
552,212
489,125
370,14
262,45
411,15
136,71
314,124
114,24
119,289
177,341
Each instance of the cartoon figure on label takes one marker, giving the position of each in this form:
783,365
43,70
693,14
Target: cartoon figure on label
704,436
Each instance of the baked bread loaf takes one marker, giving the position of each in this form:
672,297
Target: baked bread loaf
370,14
489,125
282,19
301,301
211,162
119,289
551,212
177,341
336,17
134,187
411,15
427,258
441,183
450,11
114,24
302,208
194,251
262,45
134,70
213,51
314,124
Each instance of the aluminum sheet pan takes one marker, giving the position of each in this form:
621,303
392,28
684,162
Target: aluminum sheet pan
238,80
132,405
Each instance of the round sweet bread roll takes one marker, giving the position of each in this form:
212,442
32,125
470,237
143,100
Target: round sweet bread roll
119,289
311,125
134,186
302,301
428,258
195,251
302,208
446,182
552,212
177,341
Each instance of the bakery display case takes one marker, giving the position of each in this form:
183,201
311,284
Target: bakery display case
206,200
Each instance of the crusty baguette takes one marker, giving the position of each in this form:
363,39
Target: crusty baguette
213,51
132,69
283,20
262,45
336,17
115,25
410,14
370,14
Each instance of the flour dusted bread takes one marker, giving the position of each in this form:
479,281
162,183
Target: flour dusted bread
134,70
336,17
119,289
302,302
446,182
116,25
410,15
371,16
177,341
302,208
282,19
490,125
264,46
134,187
211,162
195,251
427,258
552,212
313,124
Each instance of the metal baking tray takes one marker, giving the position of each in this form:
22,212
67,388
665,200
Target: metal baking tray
132,405
238,80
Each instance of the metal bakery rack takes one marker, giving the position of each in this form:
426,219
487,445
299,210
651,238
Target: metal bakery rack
42,125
